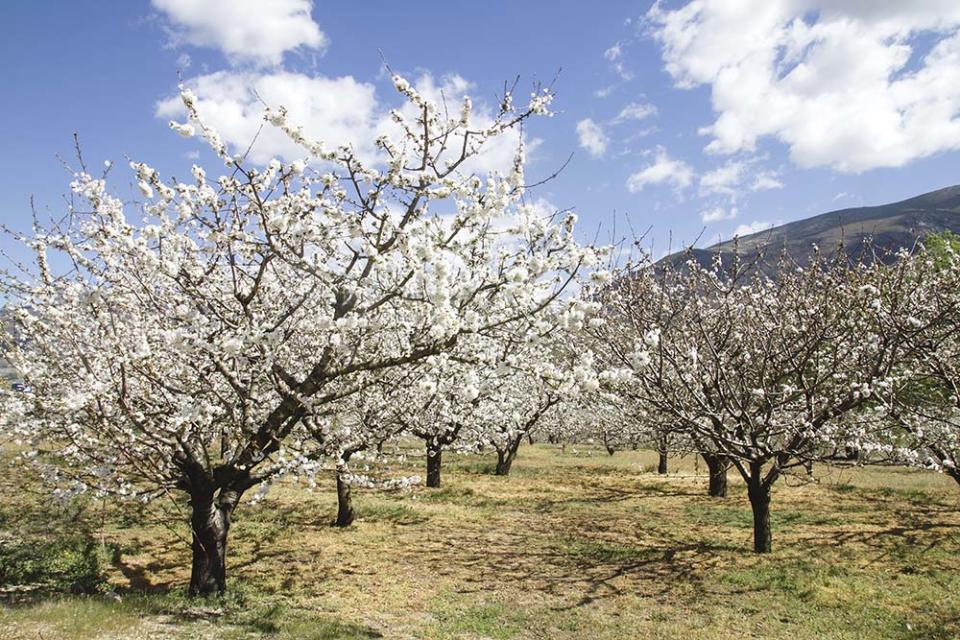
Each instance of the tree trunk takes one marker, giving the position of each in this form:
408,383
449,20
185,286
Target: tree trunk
759,493
662,463
717,466
345,514
505,458
210,522
434,453
954,473
608,445
504,462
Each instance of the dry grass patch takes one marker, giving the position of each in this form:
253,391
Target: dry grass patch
571,545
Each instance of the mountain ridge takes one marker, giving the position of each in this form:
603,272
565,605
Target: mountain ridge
890,226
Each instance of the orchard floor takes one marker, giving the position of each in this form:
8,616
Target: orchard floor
571,545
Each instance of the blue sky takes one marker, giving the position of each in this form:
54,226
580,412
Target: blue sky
687,119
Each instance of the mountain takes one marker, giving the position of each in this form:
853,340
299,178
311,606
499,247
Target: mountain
891,226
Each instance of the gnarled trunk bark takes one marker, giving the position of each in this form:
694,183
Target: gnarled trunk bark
717,466
210,523
504,462
506,457
345,514
759,493
434,453
662,462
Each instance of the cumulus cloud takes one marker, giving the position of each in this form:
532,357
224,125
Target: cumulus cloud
849,84
765,181
636,111
735,177
246,31
336,111
664,170
715,214
753,227
592,137
723,180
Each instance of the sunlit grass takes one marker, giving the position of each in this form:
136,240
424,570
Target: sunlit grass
576,544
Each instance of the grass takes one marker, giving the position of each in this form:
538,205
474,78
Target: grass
574,544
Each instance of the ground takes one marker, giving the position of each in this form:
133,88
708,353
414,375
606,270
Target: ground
574,544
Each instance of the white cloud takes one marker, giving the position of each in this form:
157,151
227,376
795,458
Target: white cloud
765,181
248,31
735,177
605,91
723,180
592,137
715,214
843,83
753,227
614,55
636,111
335,111
664,170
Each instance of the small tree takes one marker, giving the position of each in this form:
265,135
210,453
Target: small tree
760,367
923,413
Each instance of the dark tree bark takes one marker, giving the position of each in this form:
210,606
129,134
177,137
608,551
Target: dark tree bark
434,453
210,523
662,463
608,445
345,513
506,457
504,462
717,466
954,473
759,493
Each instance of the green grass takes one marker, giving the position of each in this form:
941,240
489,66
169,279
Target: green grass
601,552
456,619
395,512
170,615
742,518
575,544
